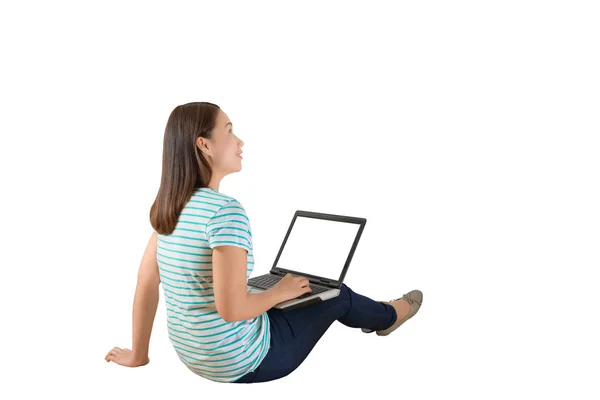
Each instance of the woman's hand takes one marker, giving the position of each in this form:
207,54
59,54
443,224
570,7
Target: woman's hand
125,357
292,286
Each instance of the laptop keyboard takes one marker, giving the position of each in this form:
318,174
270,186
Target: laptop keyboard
267,281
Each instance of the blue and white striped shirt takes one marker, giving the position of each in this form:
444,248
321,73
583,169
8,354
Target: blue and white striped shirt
208,345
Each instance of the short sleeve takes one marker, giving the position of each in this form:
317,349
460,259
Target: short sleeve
230,226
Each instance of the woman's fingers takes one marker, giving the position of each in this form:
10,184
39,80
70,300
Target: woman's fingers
113,353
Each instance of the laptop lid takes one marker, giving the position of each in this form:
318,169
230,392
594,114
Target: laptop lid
319,247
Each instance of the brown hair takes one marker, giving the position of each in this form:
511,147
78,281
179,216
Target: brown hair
184,166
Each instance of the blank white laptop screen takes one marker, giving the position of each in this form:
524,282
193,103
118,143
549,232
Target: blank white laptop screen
318,247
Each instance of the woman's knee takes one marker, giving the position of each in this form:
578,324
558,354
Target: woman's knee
345,293
345,290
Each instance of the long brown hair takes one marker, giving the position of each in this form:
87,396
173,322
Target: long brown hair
184,166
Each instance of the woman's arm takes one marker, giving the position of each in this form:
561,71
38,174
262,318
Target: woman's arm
145,304
144,311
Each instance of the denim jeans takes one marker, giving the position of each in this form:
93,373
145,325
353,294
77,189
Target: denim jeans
294,333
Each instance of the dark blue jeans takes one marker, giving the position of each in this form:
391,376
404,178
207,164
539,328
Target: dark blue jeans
295,333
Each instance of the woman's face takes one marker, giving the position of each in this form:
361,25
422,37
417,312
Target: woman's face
224,147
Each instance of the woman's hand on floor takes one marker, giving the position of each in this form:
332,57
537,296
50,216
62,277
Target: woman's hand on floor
125,358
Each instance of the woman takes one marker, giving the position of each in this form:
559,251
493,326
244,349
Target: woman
201,252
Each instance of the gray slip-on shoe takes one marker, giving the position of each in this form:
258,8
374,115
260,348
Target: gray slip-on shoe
415,299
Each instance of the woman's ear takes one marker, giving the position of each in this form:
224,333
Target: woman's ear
202,144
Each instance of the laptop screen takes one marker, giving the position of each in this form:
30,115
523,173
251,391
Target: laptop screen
318,247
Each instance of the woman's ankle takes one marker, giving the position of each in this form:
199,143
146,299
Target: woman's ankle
402,308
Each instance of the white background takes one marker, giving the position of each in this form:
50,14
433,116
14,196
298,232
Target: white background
466,132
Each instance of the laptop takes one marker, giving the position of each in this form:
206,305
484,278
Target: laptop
317,246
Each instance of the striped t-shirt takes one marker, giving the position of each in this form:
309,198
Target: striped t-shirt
208,345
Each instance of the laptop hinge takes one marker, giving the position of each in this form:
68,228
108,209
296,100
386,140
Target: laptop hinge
325,282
